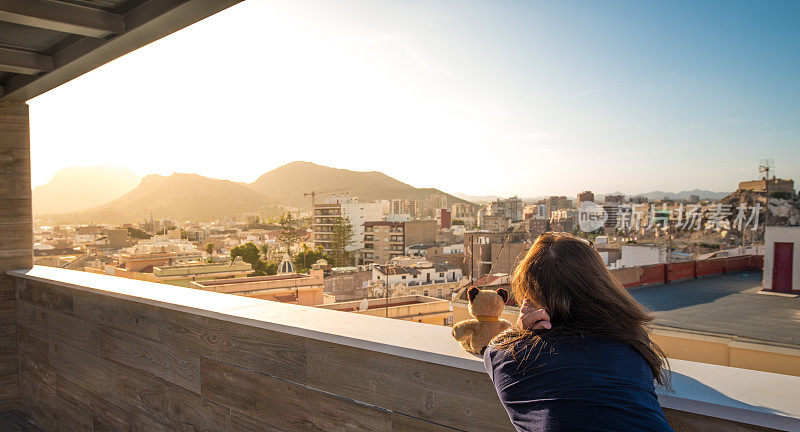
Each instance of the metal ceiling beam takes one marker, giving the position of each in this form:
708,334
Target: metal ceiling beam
23,62
63,17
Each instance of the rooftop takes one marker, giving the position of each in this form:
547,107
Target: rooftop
730,305
254,279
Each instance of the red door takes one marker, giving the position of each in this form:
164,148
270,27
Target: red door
782,267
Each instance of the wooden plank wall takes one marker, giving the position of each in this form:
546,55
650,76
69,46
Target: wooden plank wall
16,236
91,362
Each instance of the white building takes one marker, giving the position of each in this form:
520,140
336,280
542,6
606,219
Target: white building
511,208
358,213
160,244
782,259
346,207
641,255
418,274
398,217
535,211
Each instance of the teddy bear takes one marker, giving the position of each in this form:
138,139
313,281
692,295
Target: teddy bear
486,305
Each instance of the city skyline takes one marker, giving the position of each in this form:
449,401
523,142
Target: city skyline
555,98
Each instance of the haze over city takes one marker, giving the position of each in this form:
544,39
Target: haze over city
495,98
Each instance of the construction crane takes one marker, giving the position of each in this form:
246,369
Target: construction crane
313,194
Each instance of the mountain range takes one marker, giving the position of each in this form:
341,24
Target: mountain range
651,196
682,195
194,197
78,188
111,194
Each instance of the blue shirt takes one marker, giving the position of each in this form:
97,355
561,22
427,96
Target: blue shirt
576,384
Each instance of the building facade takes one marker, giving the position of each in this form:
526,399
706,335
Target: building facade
383,241
585,196
348,208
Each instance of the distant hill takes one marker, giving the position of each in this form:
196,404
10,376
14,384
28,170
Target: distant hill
180,197
286,185
703,194
79,188
478,199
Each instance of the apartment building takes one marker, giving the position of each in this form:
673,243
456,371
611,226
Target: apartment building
495,223
401,206
511,208
345,207
383,241
535,227
556,203
585,196
460,210
534,211
445,218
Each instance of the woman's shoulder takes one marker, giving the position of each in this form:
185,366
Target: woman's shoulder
515,347
538,349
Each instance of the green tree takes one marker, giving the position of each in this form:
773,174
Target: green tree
341,238
457,222
303,260
250,254
210,248
264,251
137,233
289,236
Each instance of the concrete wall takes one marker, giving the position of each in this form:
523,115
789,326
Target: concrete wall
633,255
665,273
102,353
420,231
348,286
16,236
727,351
91,362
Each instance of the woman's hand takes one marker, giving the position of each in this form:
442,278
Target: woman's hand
532,318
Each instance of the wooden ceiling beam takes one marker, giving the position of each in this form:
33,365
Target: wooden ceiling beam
23,62
63,17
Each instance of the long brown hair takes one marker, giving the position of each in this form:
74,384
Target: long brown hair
565,275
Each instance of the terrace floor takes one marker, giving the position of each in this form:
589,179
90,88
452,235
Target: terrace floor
15,421
732,305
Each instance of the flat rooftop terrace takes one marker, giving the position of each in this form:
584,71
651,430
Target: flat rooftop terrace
728,305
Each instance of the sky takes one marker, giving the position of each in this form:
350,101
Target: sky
479,97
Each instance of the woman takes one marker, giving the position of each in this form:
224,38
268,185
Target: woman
580,358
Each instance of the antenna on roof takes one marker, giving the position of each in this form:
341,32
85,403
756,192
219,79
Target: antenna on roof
505,240
766,166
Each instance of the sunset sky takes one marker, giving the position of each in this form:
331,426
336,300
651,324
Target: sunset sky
490,97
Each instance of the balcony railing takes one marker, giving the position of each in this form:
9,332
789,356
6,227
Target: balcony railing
132,355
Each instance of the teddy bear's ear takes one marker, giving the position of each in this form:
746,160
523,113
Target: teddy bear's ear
472,293
503,293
